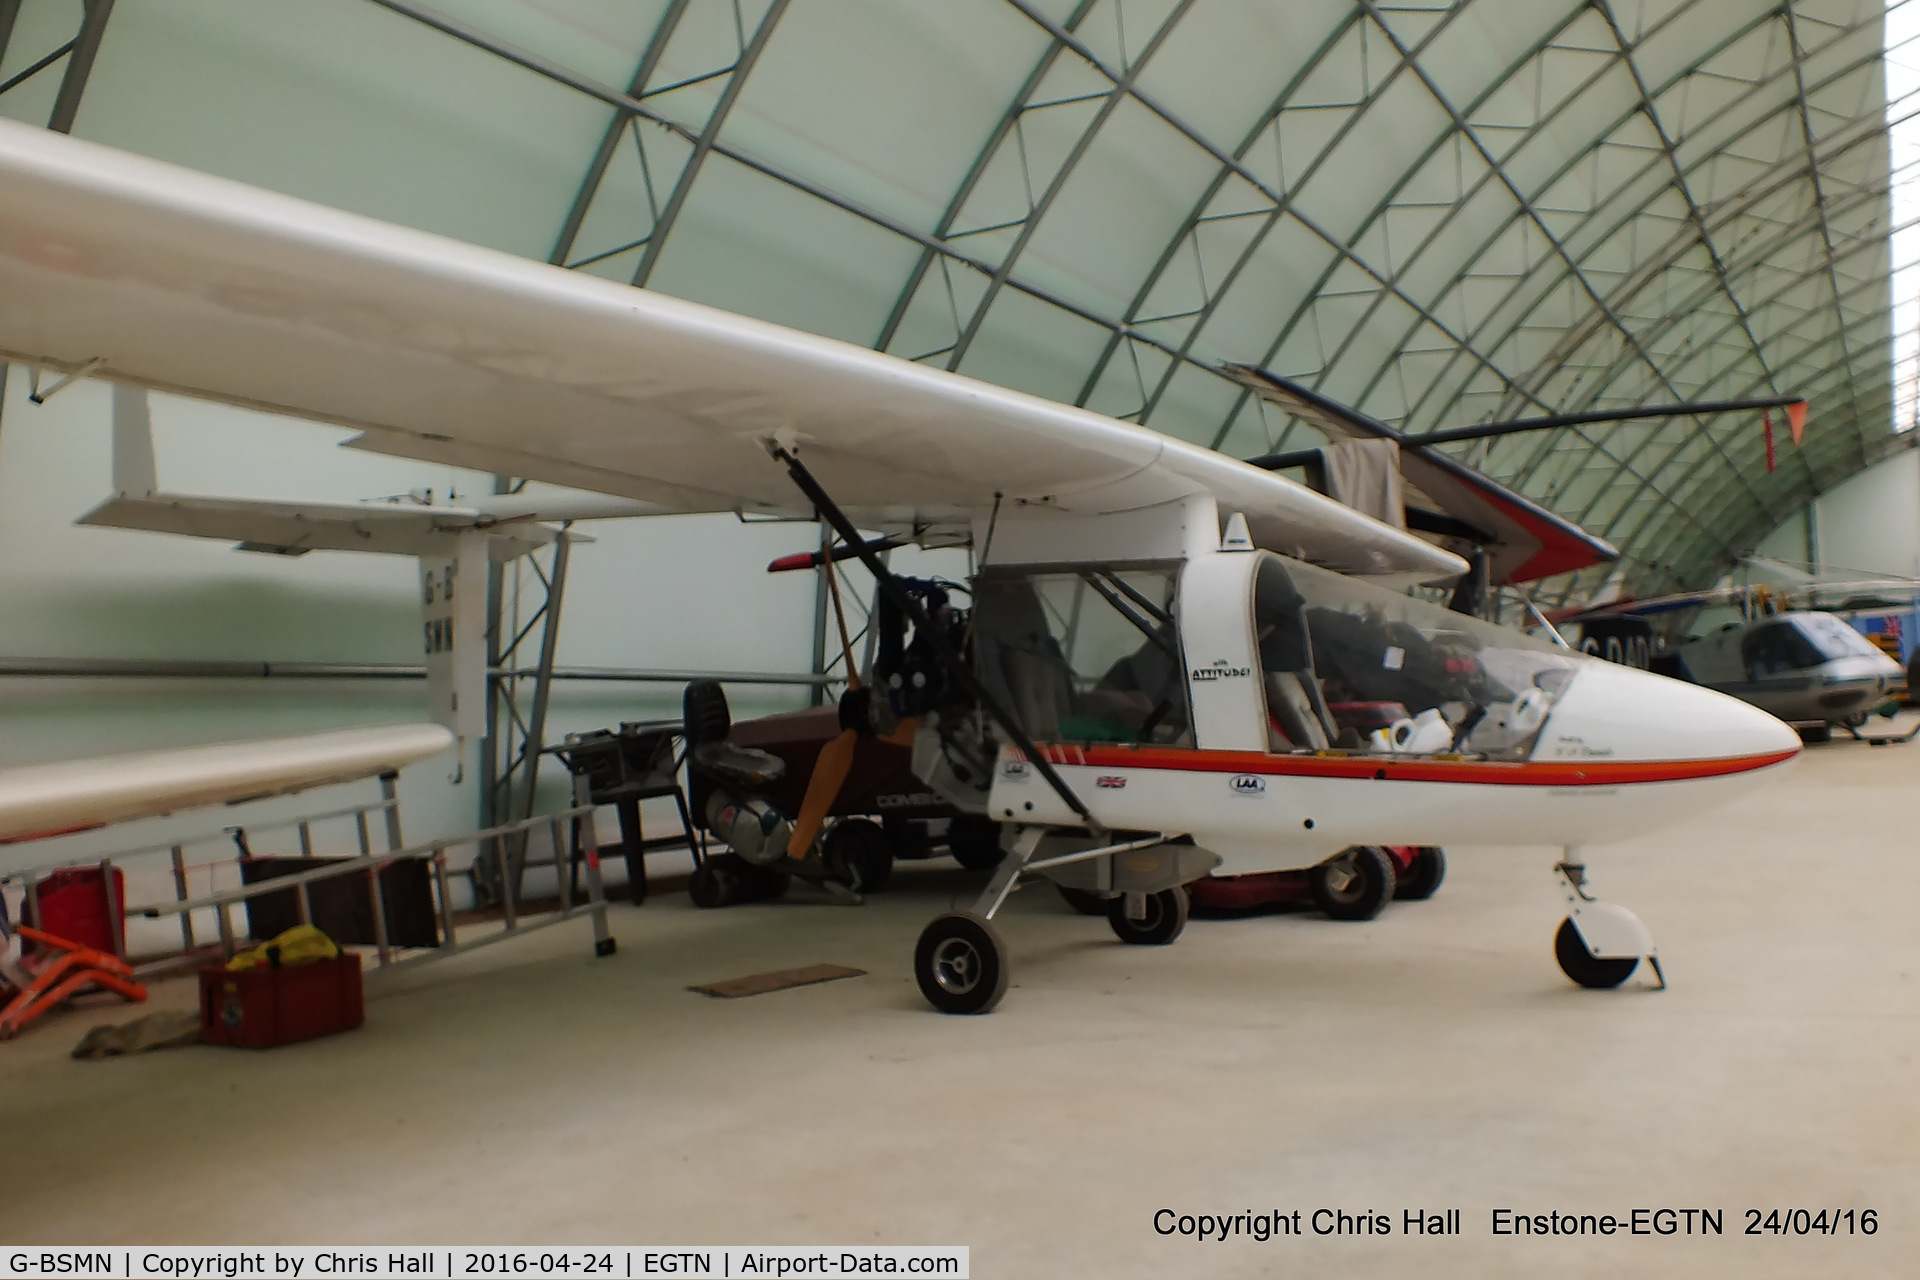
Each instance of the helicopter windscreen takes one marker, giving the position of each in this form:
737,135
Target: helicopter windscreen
1832,637
1355,666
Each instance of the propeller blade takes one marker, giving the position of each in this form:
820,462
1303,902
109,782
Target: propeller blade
823,788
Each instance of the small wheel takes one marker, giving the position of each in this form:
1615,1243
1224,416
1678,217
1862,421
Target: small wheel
1357,885
1822,732
710,886
1585,968
974,842
1166,917
961,964
1085,901
1423,875
858,856
726,879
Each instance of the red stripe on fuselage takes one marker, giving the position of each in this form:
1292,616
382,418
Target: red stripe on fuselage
1514,773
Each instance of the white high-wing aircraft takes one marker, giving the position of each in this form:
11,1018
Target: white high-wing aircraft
1170,654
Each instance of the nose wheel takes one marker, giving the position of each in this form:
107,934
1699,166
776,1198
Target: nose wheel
1589,970
1600,944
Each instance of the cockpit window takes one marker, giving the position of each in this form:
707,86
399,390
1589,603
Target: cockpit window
1832,637
1351,665
1777,648
1090,655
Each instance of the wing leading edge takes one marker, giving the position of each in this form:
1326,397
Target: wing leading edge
43,800
143,272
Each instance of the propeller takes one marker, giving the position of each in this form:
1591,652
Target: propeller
835,761
955,666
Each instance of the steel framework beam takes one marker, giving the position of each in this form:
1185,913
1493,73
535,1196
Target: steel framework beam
704,143
551,70
1254,180
86,45
1004,126
1272,218
1681,242
1478,347
616,129
1035,215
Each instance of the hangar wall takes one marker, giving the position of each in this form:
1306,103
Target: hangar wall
1869,524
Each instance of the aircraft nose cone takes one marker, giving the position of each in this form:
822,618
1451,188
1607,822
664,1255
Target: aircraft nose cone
1622,713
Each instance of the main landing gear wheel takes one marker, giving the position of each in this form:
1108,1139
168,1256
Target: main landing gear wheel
961,964
859,856
1166,917
1423,875
1585,968
974,842
1085,901
1356,885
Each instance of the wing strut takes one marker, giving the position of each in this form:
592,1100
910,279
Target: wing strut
903,600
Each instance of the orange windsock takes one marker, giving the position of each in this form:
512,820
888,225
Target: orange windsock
1797,419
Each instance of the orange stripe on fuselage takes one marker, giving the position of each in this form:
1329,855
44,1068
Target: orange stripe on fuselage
1508,773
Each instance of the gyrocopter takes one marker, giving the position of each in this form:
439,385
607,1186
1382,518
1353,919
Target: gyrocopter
1169,658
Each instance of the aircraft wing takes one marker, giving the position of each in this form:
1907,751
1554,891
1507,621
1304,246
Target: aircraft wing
1524,540
142,272
295,528
77,795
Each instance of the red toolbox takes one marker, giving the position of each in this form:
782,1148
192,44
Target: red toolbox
72,904
261,1007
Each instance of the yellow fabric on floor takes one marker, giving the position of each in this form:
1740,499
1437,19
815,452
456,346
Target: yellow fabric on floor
302,944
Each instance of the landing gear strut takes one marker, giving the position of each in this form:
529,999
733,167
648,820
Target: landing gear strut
1600,944
961,961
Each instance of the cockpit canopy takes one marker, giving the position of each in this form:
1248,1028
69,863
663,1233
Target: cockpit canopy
1095,654
1347,665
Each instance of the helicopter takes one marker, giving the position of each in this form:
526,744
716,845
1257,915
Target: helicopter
1803,665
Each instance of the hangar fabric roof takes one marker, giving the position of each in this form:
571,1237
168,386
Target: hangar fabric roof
1441,213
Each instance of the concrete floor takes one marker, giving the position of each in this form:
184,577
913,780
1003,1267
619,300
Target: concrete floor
1433,1058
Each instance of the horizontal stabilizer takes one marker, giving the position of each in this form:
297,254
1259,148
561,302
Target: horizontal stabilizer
294,528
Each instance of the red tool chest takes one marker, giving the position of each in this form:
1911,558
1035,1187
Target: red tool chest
265,1006
73,905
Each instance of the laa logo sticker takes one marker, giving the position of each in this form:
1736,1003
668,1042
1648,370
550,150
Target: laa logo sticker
1220,671
1248,784
1015,770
